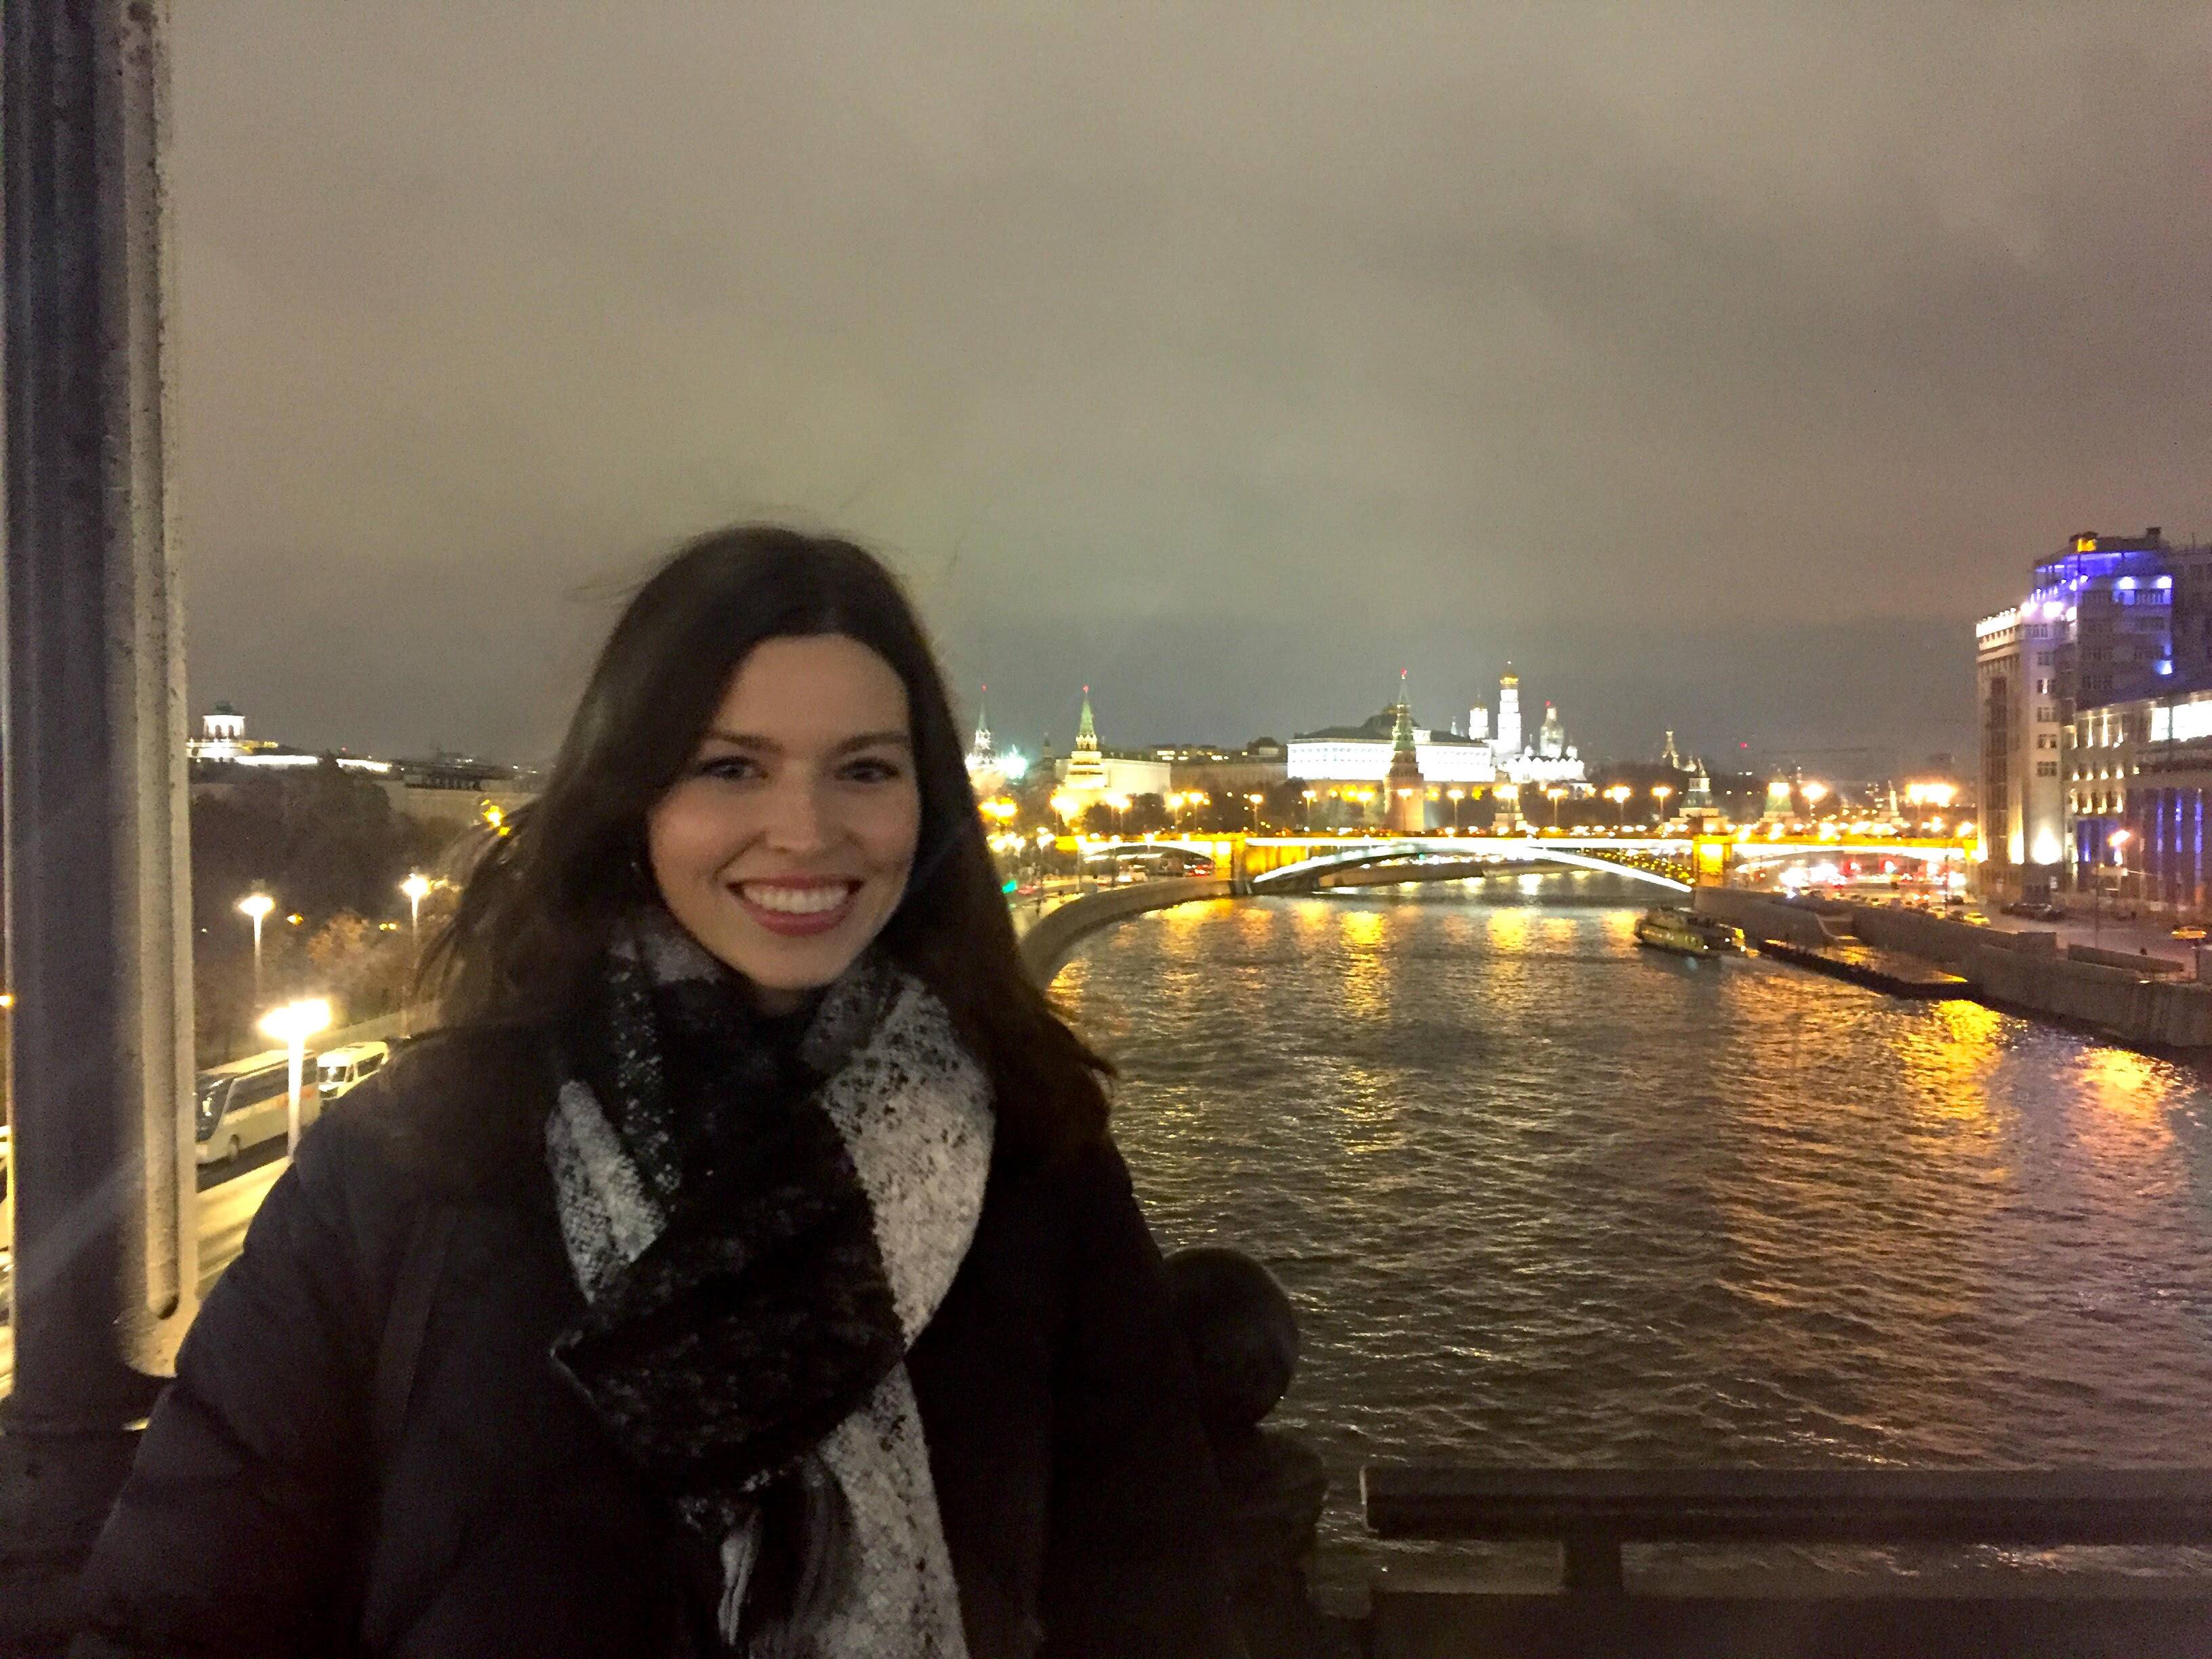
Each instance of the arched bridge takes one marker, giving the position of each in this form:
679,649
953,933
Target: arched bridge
1297,863
1662,863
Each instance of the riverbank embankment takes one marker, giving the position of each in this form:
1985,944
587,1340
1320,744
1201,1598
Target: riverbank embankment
2140,1000
1049,941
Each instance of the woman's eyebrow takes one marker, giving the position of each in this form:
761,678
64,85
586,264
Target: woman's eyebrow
862,740
873,740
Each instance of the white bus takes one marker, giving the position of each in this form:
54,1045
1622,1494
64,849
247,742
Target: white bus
247,1103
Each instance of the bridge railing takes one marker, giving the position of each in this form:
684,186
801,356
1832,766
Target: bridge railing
1592,1512
1993,1610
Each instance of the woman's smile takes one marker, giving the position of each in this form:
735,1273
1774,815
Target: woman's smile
793,905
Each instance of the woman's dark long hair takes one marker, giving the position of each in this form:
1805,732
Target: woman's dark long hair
536,914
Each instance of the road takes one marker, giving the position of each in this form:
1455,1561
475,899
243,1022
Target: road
2149,934
228,1203
2139,935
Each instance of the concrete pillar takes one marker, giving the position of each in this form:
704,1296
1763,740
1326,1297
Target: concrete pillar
98,847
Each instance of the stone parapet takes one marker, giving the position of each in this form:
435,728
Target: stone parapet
1048,943
1942,939
2120,1002
1763,917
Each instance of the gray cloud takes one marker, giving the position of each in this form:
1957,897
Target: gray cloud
1716,364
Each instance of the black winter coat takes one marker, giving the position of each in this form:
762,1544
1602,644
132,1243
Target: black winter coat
1073,1477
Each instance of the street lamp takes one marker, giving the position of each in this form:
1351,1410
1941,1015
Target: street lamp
417,887
1255,800
1455,796
292,1025
2117,840
1814,794
1619,795
257,905
1660,792
1555,795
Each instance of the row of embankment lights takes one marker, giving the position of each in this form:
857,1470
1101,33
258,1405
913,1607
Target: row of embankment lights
301,1019
257,905
292,1022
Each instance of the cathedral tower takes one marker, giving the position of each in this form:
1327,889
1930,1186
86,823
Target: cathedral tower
1508,714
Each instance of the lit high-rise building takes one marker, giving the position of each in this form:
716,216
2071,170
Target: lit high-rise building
2110,620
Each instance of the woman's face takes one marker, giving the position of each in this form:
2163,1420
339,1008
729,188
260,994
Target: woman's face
785,846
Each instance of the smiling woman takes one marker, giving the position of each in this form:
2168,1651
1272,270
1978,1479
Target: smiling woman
740,724
744,1270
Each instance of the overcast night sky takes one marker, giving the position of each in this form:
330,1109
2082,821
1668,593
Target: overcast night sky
1717,365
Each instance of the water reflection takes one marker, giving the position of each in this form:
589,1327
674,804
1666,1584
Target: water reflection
1544,1197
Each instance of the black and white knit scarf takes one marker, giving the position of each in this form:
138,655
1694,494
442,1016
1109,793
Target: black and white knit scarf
759,1238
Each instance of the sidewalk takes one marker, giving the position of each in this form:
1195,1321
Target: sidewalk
225,1210
2145,933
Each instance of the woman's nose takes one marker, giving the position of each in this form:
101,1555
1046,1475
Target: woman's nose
796,821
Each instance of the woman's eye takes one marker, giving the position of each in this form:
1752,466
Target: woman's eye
729,766
872,770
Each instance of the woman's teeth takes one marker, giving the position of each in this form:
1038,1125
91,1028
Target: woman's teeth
797,901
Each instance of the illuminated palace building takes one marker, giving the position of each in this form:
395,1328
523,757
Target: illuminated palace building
2094,705
1369,773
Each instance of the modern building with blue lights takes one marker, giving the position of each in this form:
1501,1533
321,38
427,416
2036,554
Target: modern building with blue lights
2113,623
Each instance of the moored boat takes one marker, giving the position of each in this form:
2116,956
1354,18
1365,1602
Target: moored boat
1669,928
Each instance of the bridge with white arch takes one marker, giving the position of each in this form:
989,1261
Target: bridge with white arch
1294,863
1250,866
1412,859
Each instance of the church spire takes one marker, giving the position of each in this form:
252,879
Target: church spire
1401,730
1086,767
1405,803
980,753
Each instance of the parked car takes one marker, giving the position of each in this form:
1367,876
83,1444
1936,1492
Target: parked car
2189,932
247,1103
338,1069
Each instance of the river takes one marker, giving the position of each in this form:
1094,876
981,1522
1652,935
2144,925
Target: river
1542,1197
